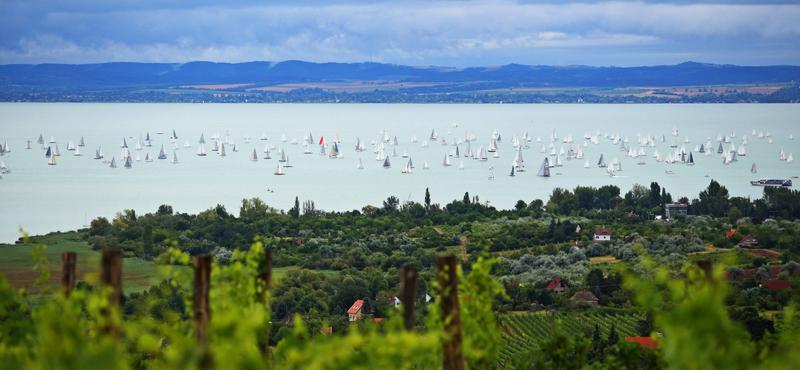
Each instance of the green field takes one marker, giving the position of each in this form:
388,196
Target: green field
523,331
16,264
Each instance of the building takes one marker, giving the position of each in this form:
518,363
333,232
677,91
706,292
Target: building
584,296
602,234
557,285
674,209
748,241
354,313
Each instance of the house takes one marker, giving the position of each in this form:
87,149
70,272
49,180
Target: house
673,209
584,296
557,285
392,299
354,313
576,245
748,241
602,234
643,341
729,233
775,285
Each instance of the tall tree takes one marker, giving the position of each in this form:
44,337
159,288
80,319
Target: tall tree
427,199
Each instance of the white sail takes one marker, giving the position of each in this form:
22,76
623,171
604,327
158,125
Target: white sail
201,150
425,165
544,170
52,161
461,166
283,138
586,165
174,156
137,158
113,163
187,144
753,168
789,159
360,165
446,160
77,152
254,157
222,150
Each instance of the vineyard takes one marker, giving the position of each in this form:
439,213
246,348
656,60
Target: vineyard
523,332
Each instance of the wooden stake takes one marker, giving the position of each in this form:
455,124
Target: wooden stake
265,279
408,294
202,275
68,260
448,285
111,274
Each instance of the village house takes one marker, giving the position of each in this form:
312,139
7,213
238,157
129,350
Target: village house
673,209
557,285
602,234
584,296
354,313
748,241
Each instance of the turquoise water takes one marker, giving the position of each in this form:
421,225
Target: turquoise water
42,198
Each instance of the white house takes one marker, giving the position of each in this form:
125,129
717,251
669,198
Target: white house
602,234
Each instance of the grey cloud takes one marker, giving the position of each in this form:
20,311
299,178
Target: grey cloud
458,33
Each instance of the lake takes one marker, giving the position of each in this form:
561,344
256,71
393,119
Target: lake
40,198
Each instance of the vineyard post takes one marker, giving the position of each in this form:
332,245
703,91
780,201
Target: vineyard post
111,276
408,294
202,273
68,260
448,285
265,279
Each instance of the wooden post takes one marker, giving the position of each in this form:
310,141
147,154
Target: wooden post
707,268
408,294
202,274
68,260
448,298
265,279
111,274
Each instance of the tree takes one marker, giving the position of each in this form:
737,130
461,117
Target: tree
655,194
390,204
295,211
253,209
427,200
147,239
735,272
309,209
613,337
520,205
790,267
713,200
99,226
281,311
164,210
466,198
763,272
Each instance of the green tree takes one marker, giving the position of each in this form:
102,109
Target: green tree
147,239
427,200
164,210
295,211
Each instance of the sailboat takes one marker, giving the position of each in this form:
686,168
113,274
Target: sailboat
174,135
266,154
254,158
690,162
446,160
235,148
414,138
283,138
407,168
70,146
404,154
586,165
558,161
52,139
174,156
162,154
124,143
278,171
128,163
641,160
147,158
601,163
424,143
386,163
544,171
137,158
461,166
41,139
360,165
222,150
789,159
55,150
187,145
77,152
286,164
28,145
512,171
753,168
113,163
201,150
425,165
52,161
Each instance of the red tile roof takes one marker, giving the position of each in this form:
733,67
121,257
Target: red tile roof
775,284
356,307
729,233
378,319
553,284
643,341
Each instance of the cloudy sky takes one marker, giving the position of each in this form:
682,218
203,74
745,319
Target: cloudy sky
440,32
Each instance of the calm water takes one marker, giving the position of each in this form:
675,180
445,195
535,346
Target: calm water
41,198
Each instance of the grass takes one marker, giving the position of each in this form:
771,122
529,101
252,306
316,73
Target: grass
16,264
279,272
603,259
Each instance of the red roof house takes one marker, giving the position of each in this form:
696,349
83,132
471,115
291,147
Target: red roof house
775,284
355,310
729,233
557,285
748,241
643,341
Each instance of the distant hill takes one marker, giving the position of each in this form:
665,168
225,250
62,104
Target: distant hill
54,77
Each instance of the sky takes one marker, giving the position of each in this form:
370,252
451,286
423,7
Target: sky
451,33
